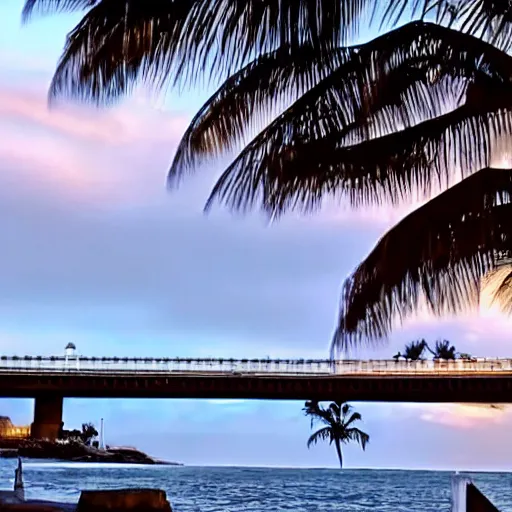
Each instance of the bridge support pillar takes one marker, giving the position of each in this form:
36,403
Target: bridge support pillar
47,417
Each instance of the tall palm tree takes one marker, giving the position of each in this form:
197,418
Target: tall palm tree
338,425
373,123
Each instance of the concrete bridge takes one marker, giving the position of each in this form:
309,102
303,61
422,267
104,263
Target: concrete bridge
50,379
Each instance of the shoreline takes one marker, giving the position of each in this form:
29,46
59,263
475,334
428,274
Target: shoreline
72,451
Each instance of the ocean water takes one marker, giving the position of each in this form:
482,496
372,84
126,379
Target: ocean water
210,489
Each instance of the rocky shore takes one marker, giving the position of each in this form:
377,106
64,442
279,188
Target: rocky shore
74,451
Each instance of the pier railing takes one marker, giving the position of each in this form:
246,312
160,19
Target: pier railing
58,364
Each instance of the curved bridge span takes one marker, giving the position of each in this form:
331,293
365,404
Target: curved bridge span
50,379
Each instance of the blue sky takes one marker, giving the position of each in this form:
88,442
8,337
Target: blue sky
96,251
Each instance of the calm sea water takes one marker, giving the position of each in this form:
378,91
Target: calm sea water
201,489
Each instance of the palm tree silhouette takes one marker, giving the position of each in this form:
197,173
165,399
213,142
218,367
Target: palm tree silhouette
443,350
380,122
414,350
337,420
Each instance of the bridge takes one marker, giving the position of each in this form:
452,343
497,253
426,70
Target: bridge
51,379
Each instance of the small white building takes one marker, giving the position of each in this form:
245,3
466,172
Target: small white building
71,357
70,351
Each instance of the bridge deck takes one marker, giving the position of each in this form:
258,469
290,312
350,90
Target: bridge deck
486,380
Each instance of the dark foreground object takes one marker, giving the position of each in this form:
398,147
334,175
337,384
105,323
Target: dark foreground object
122,500
466,497
136,500
477,502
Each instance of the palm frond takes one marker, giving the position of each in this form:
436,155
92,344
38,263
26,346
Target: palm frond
316,412
333,141
119,42
499,284
395,10
457,237
343,408
324,434
44,7
355,416
336,408
488,19
351,88
388,169
357,435
253,93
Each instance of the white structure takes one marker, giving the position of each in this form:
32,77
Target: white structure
101,443
71,357
70,351
459,492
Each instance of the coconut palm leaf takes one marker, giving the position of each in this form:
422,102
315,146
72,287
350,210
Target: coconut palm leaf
119,42
306,153
315,412
487,18
252,94
355,416
459,237
382,86
263,83
43,7
358,436
324,434
392,168
498,283
395,9
338,410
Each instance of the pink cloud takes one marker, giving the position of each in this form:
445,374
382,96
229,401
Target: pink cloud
462,416
111,157
122,125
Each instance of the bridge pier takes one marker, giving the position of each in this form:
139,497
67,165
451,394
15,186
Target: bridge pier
47,417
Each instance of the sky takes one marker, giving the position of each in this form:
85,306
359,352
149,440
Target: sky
97,251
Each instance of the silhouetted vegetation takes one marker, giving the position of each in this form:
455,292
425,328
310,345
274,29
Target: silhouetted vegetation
414,350
85,435
443,349
89,432
377,123
337,422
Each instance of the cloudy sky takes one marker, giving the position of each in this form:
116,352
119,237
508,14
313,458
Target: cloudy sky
96,251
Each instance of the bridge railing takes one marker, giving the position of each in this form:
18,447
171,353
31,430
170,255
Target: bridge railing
150,365
253,366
